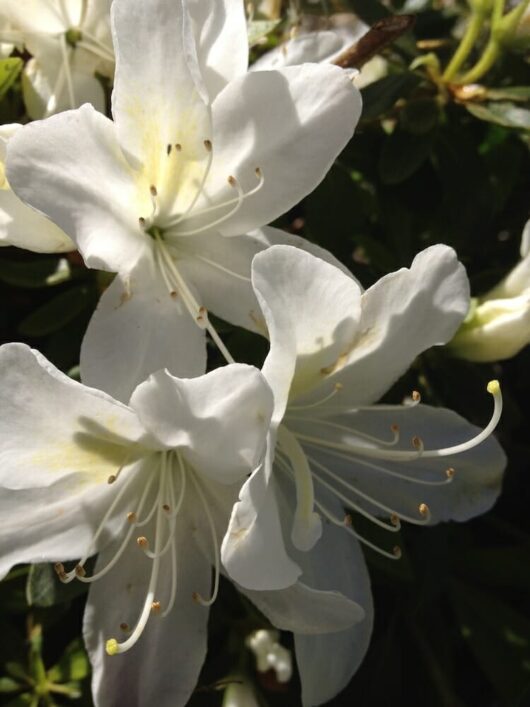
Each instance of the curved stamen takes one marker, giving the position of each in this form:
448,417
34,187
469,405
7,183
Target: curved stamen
173,590
237,202
352,430
217,560
66,55
336,388
221,268
172,222
422,508
112,646
347,526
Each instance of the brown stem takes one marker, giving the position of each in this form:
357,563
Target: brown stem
379,36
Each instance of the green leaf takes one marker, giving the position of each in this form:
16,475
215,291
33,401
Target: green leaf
259,29
9,70
369,10
420,116
380,96
9,685
402,155
56,313
501,113
73,665
35,273
509,93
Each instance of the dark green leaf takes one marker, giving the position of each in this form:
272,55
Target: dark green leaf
9,70
380,96
34,273
420,116
369,10
57,312
402,155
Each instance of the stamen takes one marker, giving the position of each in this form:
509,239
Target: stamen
66,54
131,517
178,147
155,607
208,145
336,389
142,542
217,561
168,149
350,430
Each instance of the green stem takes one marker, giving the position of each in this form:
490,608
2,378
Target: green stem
466,45
492,50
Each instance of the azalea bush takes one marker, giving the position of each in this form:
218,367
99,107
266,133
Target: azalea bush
264,374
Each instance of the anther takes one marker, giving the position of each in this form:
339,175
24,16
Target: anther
131,517
168,149
59,569
423,509
416,397
124,627
178,147
142,221
142,542
202,317
173,294
348,521
196,597
153,190
417,443
258,173
166,507
80,571
232,181
394,519
450,472
112,478
396,551
208,145
394,428
155,607
338,386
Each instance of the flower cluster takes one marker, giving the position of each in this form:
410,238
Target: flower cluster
173,475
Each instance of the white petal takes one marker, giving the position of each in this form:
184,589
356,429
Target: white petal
403,314
336,563
53,428
312,47
270,120
312,311
164,665
139,328
478,472
253,550
219,421
222,44
70,168
20,225
158,97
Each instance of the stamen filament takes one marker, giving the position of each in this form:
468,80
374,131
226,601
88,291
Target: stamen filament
66,53
217,559
337,387
352,430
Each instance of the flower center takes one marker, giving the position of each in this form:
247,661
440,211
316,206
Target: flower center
172,478
295,455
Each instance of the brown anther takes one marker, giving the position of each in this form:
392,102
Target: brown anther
203,313
258,172
396,551
155,607
173,294
168,149
131,517
232,181
348,521
416,397
80,570
394,519
394,428
142,542
417,443
153,190
196,597
423,509
59,568
450,472
112,478
124,626
208,145
141,221
178,147
338,386
166,507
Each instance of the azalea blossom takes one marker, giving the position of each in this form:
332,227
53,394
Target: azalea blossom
334,351
21,225
69,41
323,40
149,486
498,323
199,154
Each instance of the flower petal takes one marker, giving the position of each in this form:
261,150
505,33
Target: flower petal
53,428
312,311
253,550
139,328
477,473
162,668
219,421
270,120
403,314
158,98
70,168
222,44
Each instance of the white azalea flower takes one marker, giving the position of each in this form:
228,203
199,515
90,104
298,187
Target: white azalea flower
21,225
334,351
498,323
149,486
200,152
324,44
69,41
